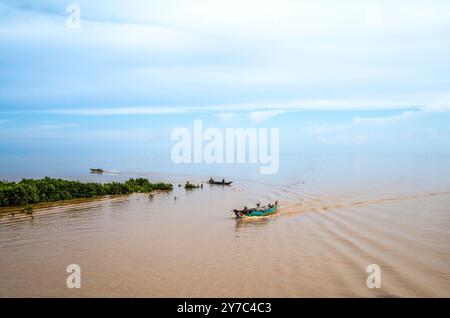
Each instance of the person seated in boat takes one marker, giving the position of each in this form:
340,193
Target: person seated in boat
260,208
211,180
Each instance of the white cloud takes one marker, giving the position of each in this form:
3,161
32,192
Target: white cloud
386,119
41,28
118,111
50,126
136,134
259,18
343,140
359,130
428,133
55,132
323,104
260,110
261,116
438,106
316,129
374,16
224,46
227,117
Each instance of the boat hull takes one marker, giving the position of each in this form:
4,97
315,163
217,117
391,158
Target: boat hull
221,183
256,214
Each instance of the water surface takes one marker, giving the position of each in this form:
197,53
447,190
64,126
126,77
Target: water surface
338,215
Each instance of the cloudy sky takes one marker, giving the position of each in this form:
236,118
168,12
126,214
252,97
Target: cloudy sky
329,73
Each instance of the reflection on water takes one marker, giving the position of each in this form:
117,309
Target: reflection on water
335,219
243,226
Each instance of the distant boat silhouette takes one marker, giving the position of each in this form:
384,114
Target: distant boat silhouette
223,182
96,170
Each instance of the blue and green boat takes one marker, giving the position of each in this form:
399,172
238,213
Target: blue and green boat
257,212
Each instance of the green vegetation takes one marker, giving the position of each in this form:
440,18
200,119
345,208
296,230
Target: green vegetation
190,186
31,191
28,209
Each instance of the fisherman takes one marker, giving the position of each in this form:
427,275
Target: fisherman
211,180
223,181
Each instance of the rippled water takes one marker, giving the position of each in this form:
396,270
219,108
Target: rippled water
338,215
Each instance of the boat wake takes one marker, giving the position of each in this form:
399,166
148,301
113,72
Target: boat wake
321,204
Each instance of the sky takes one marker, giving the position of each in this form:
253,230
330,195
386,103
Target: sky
335,76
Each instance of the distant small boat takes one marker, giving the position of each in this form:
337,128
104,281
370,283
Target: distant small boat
257,212
96,170
220,182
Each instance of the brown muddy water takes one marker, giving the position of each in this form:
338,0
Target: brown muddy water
333,223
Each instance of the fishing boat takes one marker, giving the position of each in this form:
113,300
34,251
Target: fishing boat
96,170
223,182
257,212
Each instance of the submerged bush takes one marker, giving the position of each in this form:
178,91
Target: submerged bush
190,186
31,191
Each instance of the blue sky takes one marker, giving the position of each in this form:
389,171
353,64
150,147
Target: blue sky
357,76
